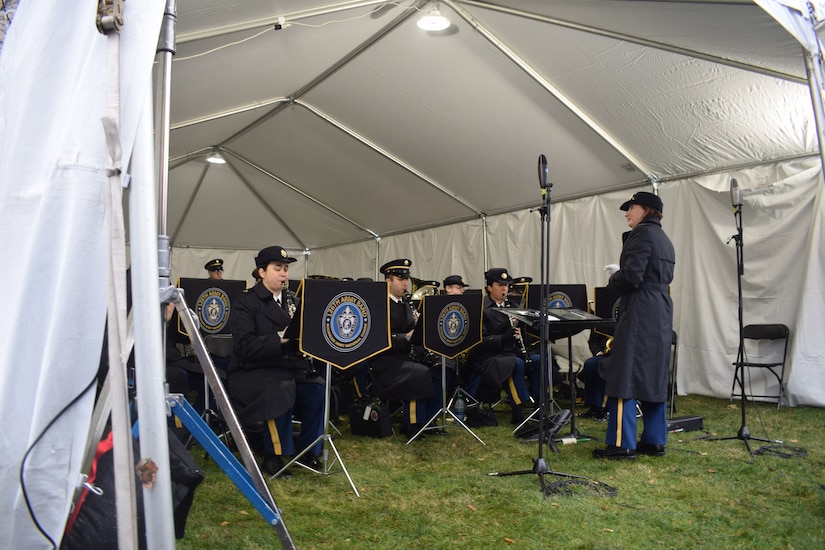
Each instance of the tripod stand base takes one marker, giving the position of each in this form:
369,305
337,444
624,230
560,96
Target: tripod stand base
443,413
327,461
539,468
744,435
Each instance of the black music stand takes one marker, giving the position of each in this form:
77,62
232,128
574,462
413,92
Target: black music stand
212,301
340,323
555,297
449,326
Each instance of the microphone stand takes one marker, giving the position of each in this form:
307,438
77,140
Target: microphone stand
743,434
539,465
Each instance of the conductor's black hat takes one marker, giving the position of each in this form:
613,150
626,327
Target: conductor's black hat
498,275
454,280
400,268
643,198
214,265
272,254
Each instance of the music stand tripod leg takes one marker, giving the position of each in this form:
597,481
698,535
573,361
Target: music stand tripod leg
326,438
445,410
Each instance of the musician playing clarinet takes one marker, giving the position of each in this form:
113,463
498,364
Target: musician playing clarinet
268,380
498,358
395,375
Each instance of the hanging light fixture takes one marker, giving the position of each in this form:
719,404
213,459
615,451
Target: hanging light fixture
433,20
215,157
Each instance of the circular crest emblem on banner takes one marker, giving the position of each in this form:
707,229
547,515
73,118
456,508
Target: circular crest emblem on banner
213,310
453,323
559,300
346,322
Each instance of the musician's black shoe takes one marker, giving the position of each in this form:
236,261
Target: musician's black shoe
611,452
311,461
599,415
517,415
589,412
272,464
650,449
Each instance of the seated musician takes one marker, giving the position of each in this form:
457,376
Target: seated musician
454,285
498,358
395,375
269,381
532,353
594,377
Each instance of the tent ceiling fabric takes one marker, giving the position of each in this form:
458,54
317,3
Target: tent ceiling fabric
350,122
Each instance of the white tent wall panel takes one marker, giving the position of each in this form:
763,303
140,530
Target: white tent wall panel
54,79
783,280
807,352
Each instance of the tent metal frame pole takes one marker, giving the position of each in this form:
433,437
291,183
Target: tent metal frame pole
331,70
629,38
263,203
278,20
291,187
149,358
813,66
544,83
386,154
165,51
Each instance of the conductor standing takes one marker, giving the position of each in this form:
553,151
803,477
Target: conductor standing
639,365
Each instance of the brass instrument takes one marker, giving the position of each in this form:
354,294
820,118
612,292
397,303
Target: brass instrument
421,292
608,346
422,287
408,299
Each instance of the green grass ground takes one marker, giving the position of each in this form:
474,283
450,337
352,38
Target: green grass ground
438,493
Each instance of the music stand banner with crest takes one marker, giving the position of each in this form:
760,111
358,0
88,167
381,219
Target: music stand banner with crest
343,322
451,323
558,296
212,299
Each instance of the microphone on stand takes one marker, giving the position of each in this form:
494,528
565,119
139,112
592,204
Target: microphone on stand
542,172
734,195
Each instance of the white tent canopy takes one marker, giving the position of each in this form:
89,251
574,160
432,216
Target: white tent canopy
355,137
333,119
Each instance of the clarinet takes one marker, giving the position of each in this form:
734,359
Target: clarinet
517,336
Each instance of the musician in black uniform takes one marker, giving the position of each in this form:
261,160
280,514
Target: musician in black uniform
395,375
497,357
269,381
214,268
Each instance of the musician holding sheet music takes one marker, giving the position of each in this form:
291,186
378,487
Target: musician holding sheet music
396,375
268,379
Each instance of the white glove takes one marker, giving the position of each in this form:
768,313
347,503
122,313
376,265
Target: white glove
611,268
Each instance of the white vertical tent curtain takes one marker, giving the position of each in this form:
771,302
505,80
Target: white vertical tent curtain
53,180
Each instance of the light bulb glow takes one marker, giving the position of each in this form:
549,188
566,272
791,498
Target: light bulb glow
215,158
433,21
